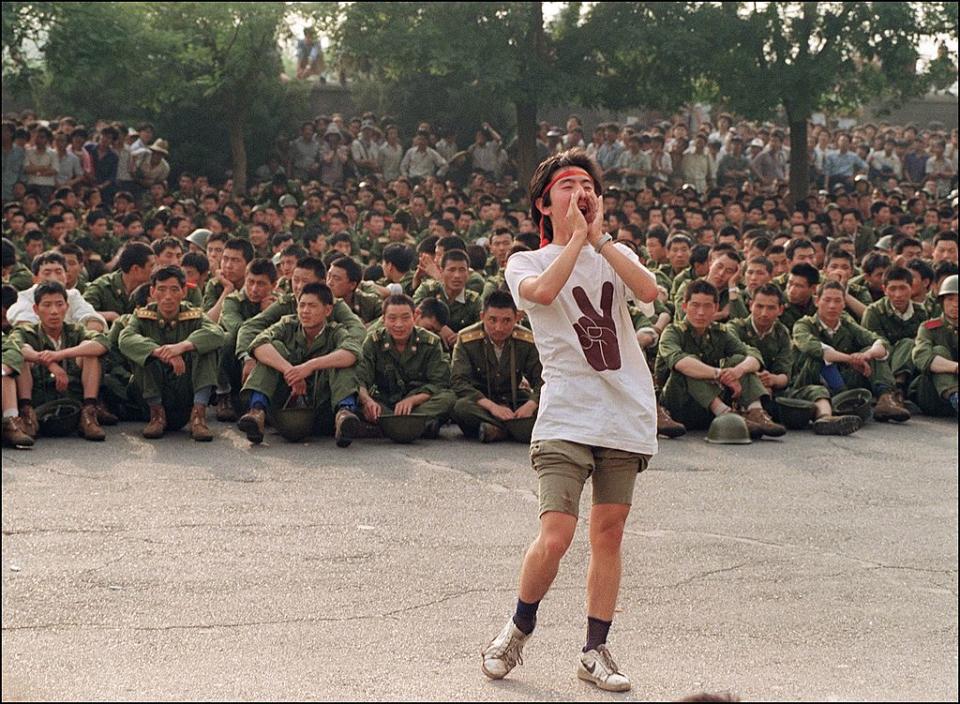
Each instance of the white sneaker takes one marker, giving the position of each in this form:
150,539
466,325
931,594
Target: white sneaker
597,666
504,652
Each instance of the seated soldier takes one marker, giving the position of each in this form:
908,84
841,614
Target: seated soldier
873,266
173,347
464,305
724,276
834,353
307,271
491,360
698,268
764,332
797,251
935,357
110,295
15,272
759,271
237,254
896,319
398,260
403,369
51,266
839,267
709,367
255,297
196,267
343,277
68,355
305,355
801,285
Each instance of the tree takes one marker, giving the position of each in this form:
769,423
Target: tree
217,64
805,57
498,52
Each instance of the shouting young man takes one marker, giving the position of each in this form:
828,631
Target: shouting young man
597,416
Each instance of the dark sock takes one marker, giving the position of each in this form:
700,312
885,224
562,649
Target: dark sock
597,631
89,402
525,617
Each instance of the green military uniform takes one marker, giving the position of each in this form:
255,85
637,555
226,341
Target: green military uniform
211,294
932,306
478,372
287,305
737,307
117,386
881,318
391,376
236,310
781,281
21,277
688,400
12,356
860,282
326,389
194,296
106,247
678,282
44,388
378,245
793,312
147,330
930,391
406,282
108,294
495,282
809,336
491,267
776,347
860,292
864,242
464,310
367,306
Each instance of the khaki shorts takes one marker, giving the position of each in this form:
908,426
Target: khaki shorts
563,468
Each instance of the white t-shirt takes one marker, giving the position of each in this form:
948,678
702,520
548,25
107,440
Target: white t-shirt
597,387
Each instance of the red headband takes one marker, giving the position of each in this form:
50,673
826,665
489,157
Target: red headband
573,171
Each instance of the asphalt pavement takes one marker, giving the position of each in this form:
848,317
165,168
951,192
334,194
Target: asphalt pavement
807,568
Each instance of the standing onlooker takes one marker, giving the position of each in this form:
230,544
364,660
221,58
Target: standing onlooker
105,161
391,154
305,153
42,164
13,158
421,161
940,169
70,171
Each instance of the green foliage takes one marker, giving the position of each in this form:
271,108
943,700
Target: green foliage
191,68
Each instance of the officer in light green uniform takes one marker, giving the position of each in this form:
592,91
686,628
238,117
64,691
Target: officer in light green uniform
935,356
190,342
490,361
897,320
404,369
302,340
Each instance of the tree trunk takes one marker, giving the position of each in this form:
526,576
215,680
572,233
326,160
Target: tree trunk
799,159
527,104
238,154
527,140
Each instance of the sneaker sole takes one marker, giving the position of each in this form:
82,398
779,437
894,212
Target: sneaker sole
845,425
252,431
491,675
587,677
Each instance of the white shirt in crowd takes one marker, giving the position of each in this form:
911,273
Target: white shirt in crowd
597,390
78,310
47,159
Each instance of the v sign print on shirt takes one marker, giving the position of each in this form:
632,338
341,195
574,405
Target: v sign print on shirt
597,332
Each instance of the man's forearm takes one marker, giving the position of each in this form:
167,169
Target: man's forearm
267,354
636,276
338,359
695,369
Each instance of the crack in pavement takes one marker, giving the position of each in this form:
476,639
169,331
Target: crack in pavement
245,624
494,486
702,575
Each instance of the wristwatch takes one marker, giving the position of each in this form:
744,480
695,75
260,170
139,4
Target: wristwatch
604,239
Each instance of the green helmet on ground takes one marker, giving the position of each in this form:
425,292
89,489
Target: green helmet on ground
59,418
795,413
404,429
729,429
854,402
294,424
